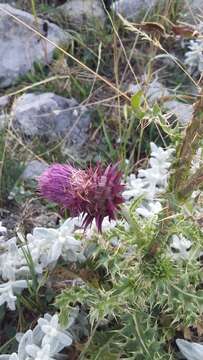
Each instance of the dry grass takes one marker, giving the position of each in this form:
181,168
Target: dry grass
97,70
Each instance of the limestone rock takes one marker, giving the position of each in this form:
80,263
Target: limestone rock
133,9
193,10
20,47
52,117
153,91
80,12
4,101
183,112
32,170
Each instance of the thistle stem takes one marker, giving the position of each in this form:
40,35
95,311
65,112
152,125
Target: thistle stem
193,183
190,144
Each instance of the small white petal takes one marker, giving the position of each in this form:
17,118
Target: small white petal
191,350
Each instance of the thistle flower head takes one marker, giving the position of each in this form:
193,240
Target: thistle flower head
94,192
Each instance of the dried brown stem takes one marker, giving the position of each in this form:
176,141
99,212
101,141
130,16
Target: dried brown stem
193,183
193,135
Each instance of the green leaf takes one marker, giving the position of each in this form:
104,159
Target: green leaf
136,100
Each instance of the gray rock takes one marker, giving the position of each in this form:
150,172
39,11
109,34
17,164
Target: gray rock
33,169
52,117
133,9
183,112
153,91
79,12
4,101
20,47
193,9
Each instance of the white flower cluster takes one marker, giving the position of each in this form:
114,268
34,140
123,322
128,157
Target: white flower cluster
45,246
179,247
11,264
190,350
150,182
194,57
3,232
197,160
45,341
107,226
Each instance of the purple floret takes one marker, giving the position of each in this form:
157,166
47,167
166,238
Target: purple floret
95,192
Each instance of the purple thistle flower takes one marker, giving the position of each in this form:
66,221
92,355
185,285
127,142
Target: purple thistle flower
94,192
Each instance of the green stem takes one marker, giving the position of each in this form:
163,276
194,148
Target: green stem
34,10
139,336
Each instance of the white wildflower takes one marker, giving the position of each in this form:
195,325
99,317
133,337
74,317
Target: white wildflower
53,334
3,232
162,156
191,350
25,340
107,225
151,209
3,229
13,356
47,245
197,161
156,176
12,261
180,247
70,247
134,188
8,291
150,182
154,180
194,57
39,245
37,353
45,341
